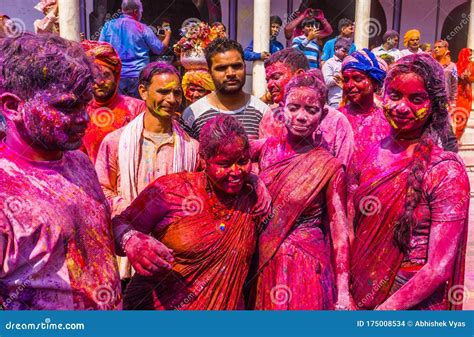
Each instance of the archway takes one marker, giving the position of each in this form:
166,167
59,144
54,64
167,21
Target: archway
455,29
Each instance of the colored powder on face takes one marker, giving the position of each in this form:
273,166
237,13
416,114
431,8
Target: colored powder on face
389,118
170,85
421,113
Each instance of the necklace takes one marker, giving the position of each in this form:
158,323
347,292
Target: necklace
221,210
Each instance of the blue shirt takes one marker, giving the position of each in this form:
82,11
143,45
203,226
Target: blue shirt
250,55
328,50
133,42
309,48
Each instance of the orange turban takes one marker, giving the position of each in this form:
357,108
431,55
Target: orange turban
104,54
198,77
411,34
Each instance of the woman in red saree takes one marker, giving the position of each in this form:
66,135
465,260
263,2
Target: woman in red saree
412,200
303,260
465,67
202,231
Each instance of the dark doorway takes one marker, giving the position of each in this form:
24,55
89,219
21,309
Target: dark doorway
455,29
177,11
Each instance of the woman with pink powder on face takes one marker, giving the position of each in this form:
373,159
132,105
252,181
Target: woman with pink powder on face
412,199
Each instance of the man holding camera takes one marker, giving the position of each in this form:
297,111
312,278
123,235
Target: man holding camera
308,42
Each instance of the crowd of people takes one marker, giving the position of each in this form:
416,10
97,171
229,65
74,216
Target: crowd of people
127,183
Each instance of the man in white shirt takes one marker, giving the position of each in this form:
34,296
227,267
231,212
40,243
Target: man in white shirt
389,45
411,40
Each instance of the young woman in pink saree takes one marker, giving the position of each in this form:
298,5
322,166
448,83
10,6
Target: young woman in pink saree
303,260
202,230
412,200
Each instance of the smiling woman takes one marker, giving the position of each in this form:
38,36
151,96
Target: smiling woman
413,241
207,234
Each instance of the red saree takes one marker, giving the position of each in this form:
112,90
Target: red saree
378,268
465,69
213,246
295,269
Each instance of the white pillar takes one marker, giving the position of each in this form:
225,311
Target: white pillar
362,24
261,42
470,34
69,19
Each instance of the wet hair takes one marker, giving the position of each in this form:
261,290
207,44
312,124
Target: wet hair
343,23
218,23
218,132
221,45
275,19
311,80
155,68
292,57
390,34
437,127
343,42
33,63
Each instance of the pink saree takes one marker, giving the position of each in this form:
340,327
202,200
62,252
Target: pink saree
378,268
294,263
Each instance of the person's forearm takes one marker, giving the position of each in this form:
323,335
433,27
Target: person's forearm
290,26
417,289
327,29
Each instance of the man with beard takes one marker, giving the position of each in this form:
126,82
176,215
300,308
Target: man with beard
411,40
389,45
225,59
109,110
442,54
56,245
150,146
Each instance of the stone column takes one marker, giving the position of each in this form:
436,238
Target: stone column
69,19
261,42
362,22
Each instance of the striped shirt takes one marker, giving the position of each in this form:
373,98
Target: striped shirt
309,48
197,114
